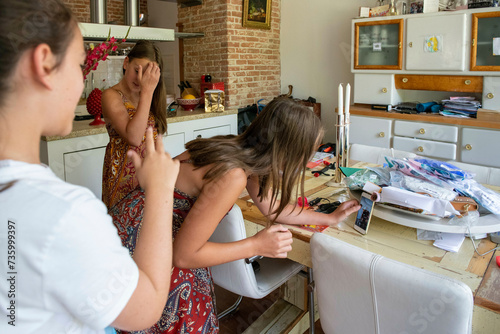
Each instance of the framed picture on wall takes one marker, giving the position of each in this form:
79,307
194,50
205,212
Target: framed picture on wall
257,14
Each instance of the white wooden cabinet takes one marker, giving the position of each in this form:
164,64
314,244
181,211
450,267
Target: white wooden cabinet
436,43
80,160
77,160
491,93
480,146
477,146
375,89
180,133
370,131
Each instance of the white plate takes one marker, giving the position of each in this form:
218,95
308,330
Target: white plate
486,224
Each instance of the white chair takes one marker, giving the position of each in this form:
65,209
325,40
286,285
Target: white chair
362,292
375,154
238,276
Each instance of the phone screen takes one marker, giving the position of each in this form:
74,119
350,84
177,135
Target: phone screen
364,214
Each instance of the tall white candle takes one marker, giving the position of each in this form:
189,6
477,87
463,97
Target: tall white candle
341,100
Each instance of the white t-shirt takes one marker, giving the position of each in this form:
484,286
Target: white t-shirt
67,271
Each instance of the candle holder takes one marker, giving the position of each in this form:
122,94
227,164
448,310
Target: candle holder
342,127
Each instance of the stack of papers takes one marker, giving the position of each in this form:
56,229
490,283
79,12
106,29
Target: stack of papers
450,241
460,106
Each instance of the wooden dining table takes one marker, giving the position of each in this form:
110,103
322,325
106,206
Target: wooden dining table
400,243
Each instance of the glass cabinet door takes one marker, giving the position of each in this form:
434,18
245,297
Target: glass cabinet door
377,44
485,50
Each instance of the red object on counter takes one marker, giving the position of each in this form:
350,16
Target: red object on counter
94,106
498,260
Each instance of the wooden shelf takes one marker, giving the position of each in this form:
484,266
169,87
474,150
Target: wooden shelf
365,110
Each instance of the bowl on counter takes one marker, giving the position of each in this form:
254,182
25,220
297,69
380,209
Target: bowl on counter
189,104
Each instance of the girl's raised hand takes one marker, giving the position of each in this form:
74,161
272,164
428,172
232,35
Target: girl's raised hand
274,241
158,171
150,78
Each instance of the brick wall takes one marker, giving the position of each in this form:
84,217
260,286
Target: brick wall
247,60
116,9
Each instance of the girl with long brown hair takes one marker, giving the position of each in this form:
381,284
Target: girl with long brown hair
137,102
269,160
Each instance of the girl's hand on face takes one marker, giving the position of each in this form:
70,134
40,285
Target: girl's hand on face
158,171
150,78
274,241
344,210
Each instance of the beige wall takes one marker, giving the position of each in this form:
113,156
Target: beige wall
315,51
163,14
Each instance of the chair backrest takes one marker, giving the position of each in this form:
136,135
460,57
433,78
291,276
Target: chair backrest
362,292
239,276
375,154
236,276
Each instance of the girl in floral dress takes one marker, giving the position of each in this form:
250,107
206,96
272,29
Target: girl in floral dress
137,102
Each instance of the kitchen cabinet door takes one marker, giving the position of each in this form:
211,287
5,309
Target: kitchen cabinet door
370,131
480,147
491,93
485,48
436,43
174,143
375,89
378,44
84,168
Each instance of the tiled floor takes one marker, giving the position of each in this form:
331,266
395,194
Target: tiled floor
248,311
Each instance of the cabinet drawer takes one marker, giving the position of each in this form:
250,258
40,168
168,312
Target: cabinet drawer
491,93
210,132
370,131
426,131
446,83
375,89
426,147
480,147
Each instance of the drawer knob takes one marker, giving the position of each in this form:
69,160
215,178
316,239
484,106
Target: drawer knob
410,44
198,136
467,82
468,147
405,80
381,135
384,90
421,131
490,95
420,149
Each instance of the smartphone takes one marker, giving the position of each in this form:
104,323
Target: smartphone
364,214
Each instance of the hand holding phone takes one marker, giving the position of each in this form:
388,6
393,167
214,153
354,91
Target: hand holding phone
364,214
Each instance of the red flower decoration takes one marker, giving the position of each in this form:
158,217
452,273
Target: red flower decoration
100,52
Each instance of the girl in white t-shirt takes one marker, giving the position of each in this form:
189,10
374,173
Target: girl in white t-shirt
62,265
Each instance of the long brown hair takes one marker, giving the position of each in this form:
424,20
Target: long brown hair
146,49
276,147
24,24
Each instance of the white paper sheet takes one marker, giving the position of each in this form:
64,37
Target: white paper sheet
410,199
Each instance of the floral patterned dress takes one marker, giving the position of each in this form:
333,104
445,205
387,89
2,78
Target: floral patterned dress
190,306
118,175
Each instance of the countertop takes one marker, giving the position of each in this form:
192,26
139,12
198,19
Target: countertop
365,110
82,128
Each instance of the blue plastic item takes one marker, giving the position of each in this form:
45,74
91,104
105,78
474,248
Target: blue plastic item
425,107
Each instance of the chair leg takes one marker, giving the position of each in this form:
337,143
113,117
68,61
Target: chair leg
230,309
310,289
